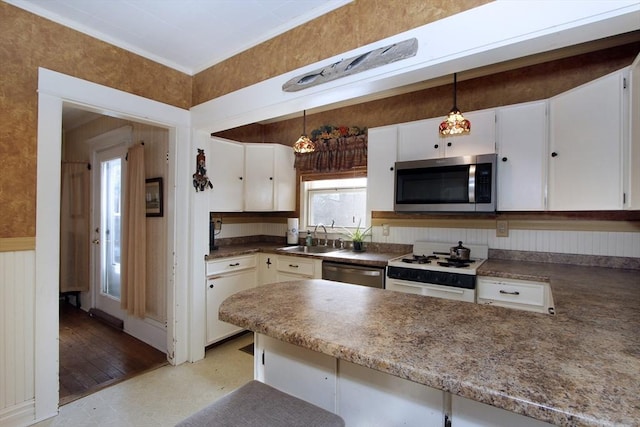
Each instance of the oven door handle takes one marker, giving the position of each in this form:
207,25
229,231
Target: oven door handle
441,289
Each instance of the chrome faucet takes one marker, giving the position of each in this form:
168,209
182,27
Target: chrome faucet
326,235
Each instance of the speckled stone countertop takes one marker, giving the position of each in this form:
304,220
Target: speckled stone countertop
368,258
580,367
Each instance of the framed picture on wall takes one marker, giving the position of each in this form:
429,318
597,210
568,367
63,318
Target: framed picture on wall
153,197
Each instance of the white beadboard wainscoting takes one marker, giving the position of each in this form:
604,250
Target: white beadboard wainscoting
17,346
603,243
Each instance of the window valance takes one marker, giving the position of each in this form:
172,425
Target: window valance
341,149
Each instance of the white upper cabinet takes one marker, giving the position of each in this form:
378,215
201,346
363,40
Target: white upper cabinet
226,173
421,140
284,191
269,178
481,139
381,158
633,163
522,144
586,146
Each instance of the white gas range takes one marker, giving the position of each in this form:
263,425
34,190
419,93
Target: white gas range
429,270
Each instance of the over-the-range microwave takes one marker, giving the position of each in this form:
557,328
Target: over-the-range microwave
450,184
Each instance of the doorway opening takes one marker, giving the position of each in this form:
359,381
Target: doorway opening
100,344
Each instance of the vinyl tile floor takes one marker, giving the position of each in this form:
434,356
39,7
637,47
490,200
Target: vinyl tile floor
164,396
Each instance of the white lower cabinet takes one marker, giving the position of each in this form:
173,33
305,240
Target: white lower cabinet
372,398
267,272
469,413
305,374
513,293
297,268
362,396
225,277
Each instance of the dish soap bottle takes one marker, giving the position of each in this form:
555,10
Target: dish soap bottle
309,241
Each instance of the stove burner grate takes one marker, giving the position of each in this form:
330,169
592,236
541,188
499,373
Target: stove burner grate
419,259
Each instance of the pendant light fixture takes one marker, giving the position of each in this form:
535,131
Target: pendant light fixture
454,123
304,144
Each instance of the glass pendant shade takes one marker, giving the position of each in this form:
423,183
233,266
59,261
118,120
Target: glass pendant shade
454,123
304,144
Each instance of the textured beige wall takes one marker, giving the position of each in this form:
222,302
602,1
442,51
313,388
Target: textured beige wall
28,42
356,24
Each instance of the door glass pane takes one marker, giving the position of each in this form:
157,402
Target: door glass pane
111,223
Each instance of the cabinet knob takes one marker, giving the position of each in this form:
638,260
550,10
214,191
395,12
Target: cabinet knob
554,154
504,159
448,144
211,286
270,178
391,168
436,146
240,178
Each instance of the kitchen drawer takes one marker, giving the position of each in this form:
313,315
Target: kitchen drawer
296,265
513,293
231,264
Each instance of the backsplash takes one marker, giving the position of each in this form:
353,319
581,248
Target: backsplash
602,243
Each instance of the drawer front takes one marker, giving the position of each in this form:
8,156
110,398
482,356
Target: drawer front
512,291
296,265
227,265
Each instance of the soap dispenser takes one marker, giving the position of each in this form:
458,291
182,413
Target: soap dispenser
309,241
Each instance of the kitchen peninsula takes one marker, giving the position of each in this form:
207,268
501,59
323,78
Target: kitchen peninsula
579,367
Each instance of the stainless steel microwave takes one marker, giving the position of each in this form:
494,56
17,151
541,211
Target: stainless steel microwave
450,184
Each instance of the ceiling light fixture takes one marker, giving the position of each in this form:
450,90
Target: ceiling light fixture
304,144
455,123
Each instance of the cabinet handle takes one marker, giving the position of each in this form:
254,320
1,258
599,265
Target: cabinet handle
448,144
234,265
436,146
509,293
504,159
554,154
293,266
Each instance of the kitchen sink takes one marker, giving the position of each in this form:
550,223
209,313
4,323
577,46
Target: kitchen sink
309,249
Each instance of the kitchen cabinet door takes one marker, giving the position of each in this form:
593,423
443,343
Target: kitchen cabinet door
220,288
267,272
420,140
522,144
381,158
469,413
226,172
269,178
633,164
586,145
305,374
284,187
481,139
258,161
371,398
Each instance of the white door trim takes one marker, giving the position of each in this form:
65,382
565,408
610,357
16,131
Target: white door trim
53,90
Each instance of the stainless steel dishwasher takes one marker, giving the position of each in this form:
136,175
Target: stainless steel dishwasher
354,274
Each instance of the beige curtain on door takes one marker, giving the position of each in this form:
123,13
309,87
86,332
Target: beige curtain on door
134,235
74,227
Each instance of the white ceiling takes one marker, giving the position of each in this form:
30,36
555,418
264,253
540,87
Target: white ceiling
187,35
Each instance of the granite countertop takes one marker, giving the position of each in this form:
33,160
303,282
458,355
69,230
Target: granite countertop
367,258
580,367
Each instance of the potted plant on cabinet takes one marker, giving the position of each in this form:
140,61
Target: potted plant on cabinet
357,237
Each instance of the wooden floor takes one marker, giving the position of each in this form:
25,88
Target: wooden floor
94,355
